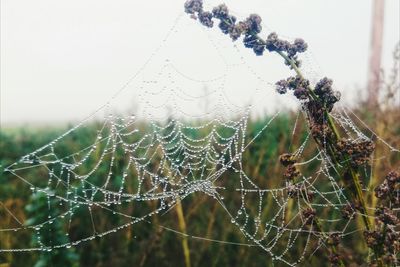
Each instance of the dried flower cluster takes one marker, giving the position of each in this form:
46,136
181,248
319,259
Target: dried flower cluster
334,259
390,189
386,216
334,239
386,241
348,211
274,44
291,172
249,28
308,215
323,89
297,84
318,102
358,152
385,238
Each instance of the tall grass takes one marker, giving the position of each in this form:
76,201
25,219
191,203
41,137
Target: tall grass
151,245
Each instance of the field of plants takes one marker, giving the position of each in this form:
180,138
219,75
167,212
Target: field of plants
149,244
197,179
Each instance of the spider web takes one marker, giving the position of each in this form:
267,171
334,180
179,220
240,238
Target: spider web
174,148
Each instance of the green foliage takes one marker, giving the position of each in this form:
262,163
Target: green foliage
147,244
42,209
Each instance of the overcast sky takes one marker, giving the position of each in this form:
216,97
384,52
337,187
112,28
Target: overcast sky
61,60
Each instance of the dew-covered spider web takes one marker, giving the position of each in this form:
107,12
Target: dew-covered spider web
179,129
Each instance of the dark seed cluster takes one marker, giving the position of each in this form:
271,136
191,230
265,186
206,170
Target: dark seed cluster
386,216
334,259
251,41
309,215
291,172
321,131
319,127
316,107
227,21
383,190
250,28
373,238
297,84
205,18
358,152
334,239
323,89
237,30
254,23
287,159
386,242
221,12
348,211
392,242
316,111
193,6
389,189
393,178
386,237
273,43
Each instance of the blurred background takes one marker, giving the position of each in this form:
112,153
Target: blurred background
61,60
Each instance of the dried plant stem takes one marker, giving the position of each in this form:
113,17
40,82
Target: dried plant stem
357,194
342,162
182,226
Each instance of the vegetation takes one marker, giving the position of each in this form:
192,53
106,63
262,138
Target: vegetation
147,244
197,231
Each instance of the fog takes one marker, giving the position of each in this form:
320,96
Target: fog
62,60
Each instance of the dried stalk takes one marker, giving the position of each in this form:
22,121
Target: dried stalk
259,45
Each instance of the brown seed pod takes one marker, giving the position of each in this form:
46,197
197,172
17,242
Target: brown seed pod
287,159
291,173
309,215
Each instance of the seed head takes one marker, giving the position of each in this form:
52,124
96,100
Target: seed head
386,216
309,215
348,211
254,23
291,173
282,86
287,159
220,12
334,259
193,6
334,239
205,18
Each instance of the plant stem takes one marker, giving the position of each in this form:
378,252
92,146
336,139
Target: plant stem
358,195
182,226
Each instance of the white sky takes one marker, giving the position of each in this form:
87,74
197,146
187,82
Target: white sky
60,60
